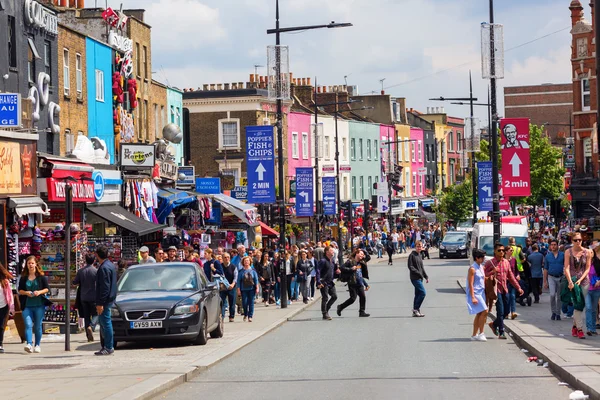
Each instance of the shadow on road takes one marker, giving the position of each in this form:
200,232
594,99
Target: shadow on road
450,290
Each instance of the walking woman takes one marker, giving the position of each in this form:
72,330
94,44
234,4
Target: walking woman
512,291
476,295
593,295
247,287
7,303
33,286
389,249
265,275
277,276
313,274
290,272
303,268
578,261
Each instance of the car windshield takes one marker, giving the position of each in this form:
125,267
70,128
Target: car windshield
466,224
486,243
159,277
455,238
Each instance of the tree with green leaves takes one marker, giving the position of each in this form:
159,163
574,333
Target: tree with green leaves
457,201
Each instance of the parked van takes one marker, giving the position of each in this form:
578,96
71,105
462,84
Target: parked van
483,237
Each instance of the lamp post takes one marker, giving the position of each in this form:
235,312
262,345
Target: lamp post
281,198
68,222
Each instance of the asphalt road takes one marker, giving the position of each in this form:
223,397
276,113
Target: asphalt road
387,356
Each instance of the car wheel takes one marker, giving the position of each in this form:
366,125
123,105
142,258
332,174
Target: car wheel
203,334
219,331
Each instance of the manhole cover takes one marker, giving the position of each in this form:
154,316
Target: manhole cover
44,366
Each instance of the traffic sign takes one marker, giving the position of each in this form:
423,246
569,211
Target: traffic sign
304,192
485,178
260,153
10,110
328,168
515,157
345,168
329,190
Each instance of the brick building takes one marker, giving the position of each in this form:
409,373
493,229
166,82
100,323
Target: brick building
550,105
73,90
218,116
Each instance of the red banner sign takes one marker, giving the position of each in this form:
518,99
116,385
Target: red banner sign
516,174
83,191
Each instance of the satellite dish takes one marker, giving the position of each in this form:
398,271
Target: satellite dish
172,133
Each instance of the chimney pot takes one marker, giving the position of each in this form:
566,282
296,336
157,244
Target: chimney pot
256,77
227,86
262,79
72,3
324,89
382,92
219,86
234,86
308,82
251,77
80,3
212,86
318,89
205,86
291,77
443,110
345,88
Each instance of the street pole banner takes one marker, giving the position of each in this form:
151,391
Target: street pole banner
260,153
516,173
304,192
329,189
485,199
383,195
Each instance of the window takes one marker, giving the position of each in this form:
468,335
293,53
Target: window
376,150
345,187
451,141
426,153
354,187
229,134
78,75
420,149
156,130
458,142
327,147
353,149
12,42
585,95
407,183
305,145
30,65
69,141
99,85
231,172
137,59
406,153
370,188
344,149
48,61
420,184
414,184
67,74
295,144
412,151
145,114
360,149
145,59
368,149
362,188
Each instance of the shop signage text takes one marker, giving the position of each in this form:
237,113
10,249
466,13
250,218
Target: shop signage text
304,192
208,185
329,195
98,185
119,42
189,172
83,192
260,151
39,16
484,169
116,19
168,170
10,110
10,168
137,155
515,157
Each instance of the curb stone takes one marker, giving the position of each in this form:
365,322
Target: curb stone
545,353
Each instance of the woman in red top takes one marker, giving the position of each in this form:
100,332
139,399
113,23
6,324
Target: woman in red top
578,261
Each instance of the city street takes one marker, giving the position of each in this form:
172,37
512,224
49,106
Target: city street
390,355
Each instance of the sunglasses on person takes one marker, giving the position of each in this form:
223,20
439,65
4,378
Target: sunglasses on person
500,250
577,240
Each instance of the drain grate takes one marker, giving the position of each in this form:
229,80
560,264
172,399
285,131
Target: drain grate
44,366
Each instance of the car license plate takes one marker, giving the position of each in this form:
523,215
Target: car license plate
145,324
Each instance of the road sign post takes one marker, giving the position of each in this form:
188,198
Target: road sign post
329,191
486,200
516,174
260,153
304,192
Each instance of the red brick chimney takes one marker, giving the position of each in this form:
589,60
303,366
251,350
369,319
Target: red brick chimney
576,12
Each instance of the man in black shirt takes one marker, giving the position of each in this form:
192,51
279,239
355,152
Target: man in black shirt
106,293
325,282
86,279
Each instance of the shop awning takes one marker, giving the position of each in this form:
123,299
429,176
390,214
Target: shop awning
241,210
126,220
169,199
266,230
28,205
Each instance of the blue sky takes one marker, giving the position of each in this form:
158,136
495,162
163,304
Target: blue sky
407,42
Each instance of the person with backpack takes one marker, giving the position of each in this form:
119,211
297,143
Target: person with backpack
354,272
247,287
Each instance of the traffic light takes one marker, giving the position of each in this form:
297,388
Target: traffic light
398,188
367,207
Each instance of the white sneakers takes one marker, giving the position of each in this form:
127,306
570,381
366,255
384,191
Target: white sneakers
479,338
30,349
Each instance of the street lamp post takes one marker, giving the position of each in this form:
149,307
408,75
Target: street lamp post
281,198
494,133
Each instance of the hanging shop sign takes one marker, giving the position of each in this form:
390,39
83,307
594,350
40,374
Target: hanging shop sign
260,153
116,19
98,185
167,169
17,168
107,186
119,42
208,185
10,110
137,155
83,191
40,17
188,173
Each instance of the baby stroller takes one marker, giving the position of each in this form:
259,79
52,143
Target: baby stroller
524,280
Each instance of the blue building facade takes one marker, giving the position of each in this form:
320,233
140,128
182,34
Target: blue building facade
175,116
99,90
364,159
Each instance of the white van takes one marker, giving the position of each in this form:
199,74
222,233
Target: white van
483,237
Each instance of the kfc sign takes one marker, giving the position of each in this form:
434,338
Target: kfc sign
516,173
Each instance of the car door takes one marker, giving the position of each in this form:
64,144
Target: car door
209,298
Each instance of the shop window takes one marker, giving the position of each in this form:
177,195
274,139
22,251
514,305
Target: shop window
294,144
66,73
79,75
229,134
585,95
99,85
305,145
12,42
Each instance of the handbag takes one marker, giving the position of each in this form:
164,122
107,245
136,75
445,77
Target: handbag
223,283
46,301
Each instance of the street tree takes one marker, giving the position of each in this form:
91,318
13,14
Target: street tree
457,202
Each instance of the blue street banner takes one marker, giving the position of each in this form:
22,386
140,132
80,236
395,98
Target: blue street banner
208,185
260,153
485,175
329,190
304,192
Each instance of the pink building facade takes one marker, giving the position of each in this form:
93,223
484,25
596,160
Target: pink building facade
299,144
417,161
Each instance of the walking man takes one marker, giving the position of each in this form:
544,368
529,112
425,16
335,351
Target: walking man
106,293
500,269
355,270
145,257
536,261
417,275
325,282
228,296
553,272
86,279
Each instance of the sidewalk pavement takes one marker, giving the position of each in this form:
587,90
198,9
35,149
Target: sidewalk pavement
135,371
575,361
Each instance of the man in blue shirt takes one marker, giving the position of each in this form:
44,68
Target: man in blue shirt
553,272
536,260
